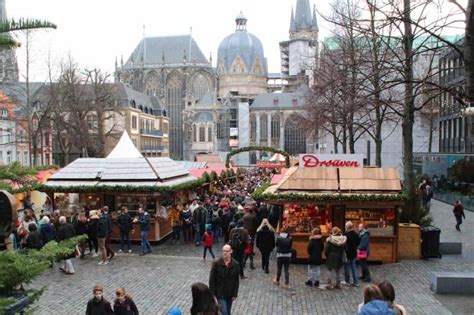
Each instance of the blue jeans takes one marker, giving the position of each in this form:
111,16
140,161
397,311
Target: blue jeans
349,267
125,237
225,305
197,234
146,247
314,276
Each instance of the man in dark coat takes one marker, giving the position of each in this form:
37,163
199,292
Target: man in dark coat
102,233
250,222
33,241
199,222
108,248
66,231
144,221
351,252
125,224
224,280
240,235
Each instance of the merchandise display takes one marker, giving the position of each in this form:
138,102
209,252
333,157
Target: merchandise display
377,221
304,218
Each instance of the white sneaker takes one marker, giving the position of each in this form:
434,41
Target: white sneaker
129,251
106,262
120,251
101,263
95,255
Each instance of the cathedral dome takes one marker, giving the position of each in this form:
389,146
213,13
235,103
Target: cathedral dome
244,45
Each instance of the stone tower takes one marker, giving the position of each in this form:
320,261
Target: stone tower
299,54
8,62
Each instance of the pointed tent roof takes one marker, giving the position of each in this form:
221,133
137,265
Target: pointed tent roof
124,148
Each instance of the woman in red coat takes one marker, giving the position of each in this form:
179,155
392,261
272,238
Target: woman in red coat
208,241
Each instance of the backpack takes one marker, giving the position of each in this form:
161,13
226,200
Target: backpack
236,241
215,217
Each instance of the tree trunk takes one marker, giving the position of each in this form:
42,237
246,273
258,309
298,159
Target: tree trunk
408,114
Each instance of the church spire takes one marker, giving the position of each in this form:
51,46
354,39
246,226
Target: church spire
303,18
314,24
3,10
292,21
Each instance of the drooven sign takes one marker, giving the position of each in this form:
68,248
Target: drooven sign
331,160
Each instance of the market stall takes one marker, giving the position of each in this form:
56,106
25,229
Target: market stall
124,179
328,197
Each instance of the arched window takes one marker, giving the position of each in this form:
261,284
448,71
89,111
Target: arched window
175,103
152,84
295,139
253,127
201,86
195,136
275,126
263,127
202,133
209,133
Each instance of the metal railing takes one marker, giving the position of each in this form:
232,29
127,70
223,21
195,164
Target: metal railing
151,132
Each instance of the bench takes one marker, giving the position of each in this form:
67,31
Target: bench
452,282
450,248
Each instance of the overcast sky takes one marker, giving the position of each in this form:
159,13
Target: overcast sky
95,32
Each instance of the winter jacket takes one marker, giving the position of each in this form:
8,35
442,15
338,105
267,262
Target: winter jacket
125,222
92,228
127,307
109,223
223,280
249,248
48,233
265,240
352,243
144,220
80,227
315,250
65,231
186,217
250,223
208,239
244,237
284,246
334,249
458,211
376,307
199,216
364,241
33,241
102,226
98,307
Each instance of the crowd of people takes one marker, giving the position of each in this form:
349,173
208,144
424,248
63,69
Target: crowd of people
226,213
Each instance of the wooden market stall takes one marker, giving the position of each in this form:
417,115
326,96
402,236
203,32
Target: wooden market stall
124,178
328,197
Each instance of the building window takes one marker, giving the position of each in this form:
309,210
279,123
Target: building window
275,101
209,134
253,128
195,135
263,127
4,113
9,157
22,136
275,127
294,101
46,139
9,136
26,159
35,124
92,122
134,122
202,134
18,156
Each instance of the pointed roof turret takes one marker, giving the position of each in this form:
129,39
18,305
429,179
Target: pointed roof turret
124,148
292,21
314,24
303,18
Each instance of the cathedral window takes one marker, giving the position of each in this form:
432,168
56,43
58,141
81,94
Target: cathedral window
209,134
202,134
201,87
195,135
275,127
257,69
253,127
263,127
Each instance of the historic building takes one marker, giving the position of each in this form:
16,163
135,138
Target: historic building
456,127
299,53
174,70
8,62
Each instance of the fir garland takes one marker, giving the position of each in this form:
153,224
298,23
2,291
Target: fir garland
260,195
257,148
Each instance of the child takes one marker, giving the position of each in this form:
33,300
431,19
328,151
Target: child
124,304
208,241
98,305
249,253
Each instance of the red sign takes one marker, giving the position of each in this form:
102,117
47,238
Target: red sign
331,160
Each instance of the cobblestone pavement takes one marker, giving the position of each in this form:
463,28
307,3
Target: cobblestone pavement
161,280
